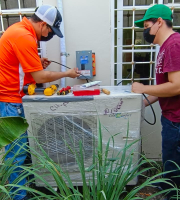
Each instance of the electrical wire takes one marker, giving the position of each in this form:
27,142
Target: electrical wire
122,80
144,97
87,79
128,74
151,109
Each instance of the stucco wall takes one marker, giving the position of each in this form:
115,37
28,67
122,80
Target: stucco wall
87,27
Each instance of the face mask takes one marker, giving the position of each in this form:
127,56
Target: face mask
147,36
50,35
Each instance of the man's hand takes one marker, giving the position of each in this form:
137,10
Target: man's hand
138,88
73,73
45,62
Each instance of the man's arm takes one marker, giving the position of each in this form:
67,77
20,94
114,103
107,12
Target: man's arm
152,99
49,76
169,89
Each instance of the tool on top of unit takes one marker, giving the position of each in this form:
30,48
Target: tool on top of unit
32,89
86,85
79,91
105,91
64,91
89,85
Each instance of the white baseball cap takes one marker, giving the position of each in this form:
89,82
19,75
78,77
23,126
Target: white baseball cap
51,16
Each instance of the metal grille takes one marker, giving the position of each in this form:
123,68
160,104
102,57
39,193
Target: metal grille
133,59
12,11
58,133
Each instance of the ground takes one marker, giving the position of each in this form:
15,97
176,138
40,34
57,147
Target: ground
148,191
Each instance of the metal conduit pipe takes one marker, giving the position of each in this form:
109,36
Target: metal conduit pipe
62,42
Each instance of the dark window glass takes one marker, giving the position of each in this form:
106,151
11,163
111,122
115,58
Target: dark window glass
9,4
127,2
28,3
176,18
144,2
8,20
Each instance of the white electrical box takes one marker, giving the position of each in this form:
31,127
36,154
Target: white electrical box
53,119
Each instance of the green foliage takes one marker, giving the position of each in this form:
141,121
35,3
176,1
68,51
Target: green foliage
110,174
11,128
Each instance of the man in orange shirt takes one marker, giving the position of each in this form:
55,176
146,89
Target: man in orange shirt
20,64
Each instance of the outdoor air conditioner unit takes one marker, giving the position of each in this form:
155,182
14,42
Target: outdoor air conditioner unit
53,119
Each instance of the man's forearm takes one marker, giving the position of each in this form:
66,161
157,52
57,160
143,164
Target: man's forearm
163,90
50,76
152,99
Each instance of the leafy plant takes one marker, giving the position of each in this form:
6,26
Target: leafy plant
11,128
110,174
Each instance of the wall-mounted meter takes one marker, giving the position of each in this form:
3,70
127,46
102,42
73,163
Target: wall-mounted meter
84,63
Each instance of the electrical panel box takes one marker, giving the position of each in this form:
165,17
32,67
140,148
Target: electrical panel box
84,64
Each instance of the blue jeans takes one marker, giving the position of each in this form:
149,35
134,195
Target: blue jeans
171,151
15,109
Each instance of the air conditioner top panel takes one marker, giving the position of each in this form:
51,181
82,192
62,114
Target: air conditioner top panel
124,91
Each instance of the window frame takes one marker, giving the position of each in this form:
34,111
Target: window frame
117,48
19,12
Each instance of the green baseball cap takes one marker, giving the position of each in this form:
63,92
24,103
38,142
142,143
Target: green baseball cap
156,11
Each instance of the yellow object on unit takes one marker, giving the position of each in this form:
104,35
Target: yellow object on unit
31,89
50,90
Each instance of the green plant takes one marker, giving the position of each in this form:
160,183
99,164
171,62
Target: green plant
11,128
110,174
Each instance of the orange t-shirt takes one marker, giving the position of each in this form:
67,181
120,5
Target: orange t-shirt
18,57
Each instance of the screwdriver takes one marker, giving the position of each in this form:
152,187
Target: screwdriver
105,91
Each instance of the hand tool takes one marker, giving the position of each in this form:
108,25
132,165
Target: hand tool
64,91
105,91
32,89
86,85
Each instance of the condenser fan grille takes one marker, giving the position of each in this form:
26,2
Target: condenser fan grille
57,133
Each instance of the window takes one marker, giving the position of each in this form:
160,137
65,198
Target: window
12,11
133,58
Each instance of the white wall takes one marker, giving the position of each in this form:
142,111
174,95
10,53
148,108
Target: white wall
87,27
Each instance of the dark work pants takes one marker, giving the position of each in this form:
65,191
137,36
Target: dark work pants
171,152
